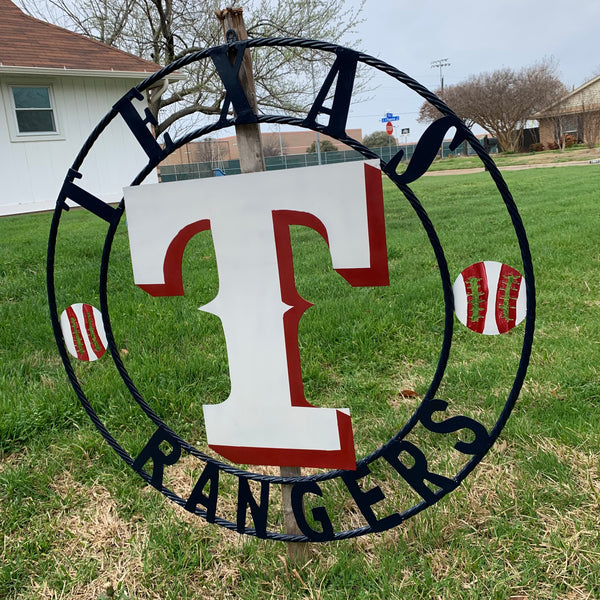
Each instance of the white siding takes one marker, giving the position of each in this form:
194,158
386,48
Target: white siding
32,172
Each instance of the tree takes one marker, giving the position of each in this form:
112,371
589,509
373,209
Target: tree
325,145
166,30
210,150
273,145
590,125
378,139
456,97
502,101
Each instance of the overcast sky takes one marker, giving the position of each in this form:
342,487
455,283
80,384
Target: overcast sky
475,36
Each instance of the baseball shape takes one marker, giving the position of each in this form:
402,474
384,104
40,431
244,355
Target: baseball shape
490,297
83,331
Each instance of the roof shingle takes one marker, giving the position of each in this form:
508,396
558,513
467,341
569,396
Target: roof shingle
29,42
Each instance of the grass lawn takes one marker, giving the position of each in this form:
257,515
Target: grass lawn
504,159
78,523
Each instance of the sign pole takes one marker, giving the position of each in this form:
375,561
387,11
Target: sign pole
252,160
248,135
296,551
389,128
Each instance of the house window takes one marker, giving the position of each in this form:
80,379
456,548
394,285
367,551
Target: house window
569,124
34,110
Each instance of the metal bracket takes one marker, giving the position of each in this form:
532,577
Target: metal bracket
231,36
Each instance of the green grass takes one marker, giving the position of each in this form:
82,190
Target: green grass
524,524
506,159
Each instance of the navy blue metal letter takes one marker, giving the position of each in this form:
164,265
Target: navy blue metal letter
319,513
344,68
416,475
159,458
229,74
139,127
480,444
210,474
364,500
427,149
87,200
258,511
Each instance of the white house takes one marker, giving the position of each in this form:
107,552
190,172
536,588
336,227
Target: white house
55,87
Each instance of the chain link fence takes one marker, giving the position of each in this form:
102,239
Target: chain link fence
294,161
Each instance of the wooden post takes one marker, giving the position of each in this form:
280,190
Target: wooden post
248,136
252,160
296,551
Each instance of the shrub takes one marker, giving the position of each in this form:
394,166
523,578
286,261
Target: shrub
326,146
570,140
537,147
553,145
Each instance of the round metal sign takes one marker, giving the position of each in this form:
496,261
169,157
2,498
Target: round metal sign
425,454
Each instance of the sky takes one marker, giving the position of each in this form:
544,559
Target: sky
474,37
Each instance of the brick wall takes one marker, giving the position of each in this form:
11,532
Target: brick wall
293,142
579,114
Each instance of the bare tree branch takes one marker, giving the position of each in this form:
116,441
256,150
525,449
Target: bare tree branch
502,101
165,30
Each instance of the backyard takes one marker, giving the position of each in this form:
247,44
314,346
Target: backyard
77,523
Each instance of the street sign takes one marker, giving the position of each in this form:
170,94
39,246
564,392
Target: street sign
390,117
405,131
389,128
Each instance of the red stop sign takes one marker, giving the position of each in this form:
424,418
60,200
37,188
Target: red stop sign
389,128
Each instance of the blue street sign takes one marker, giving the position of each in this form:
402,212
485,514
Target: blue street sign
390,117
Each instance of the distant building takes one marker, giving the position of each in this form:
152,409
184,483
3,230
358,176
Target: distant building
576,114
55,86
223,149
